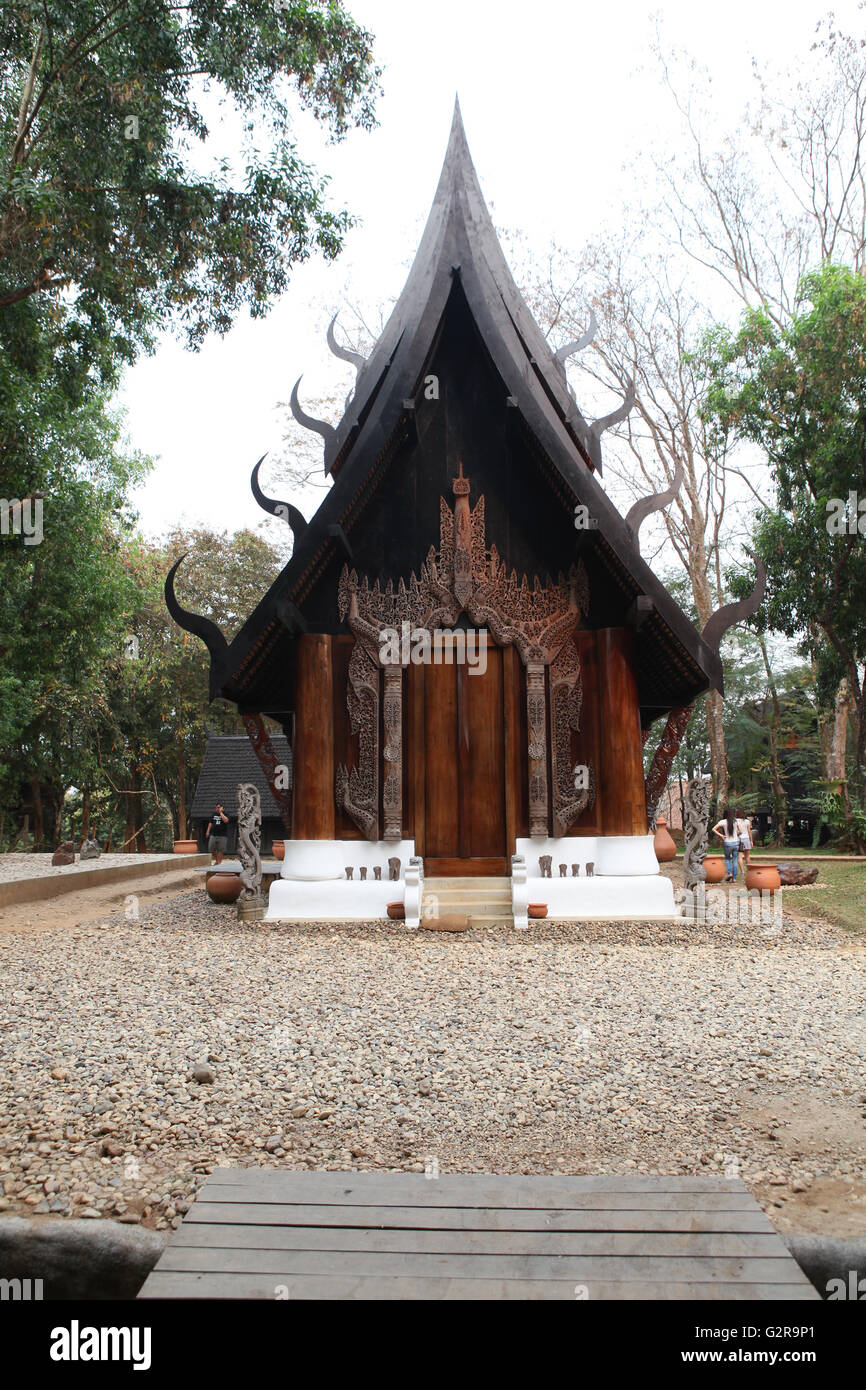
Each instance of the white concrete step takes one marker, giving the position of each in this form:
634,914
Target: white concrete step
436,884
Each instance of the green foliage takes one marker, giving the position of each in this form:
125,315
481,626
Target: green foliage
799,392
102,184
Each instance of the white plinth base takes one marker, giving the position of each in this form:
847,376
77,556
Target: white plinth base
333,900
627,884
313,885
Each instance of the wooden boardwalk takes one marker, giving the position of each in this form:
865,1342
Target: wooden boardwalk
269,1233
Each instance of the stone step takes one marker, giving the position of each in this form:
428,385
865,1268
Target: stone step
436,885
468,895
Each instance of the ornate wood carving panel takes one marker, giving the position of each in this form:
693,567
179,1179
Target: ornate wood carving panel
463,575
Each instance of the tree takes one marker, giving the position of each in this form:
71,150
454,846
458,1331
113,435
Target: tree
799,392
62,604
105,206
759,209
648,326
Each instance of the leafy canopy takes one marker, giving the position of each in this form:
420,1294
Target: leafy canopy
104,198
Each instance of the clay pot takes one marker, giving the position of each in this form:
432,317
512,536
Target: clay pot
663,842
714,868
764,877
397,912
185,847
223,888
537,910
278,849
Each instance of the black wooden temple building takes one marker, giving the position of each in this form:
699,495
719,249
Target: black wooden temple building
465,495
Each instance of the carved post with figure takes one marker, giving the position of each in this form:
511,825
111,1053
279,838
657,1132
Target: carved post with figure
697,814
251,907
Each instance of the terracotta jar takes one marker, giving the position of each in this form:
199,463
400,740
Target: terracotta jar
278,849
714,868
397,912
537,910
185,847
663,842
223,888
764,877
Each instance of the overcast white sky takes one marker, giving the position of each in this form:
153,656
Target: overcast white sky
558,99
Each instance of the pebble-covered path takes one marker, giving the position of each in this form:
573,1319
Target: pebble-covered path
585,1049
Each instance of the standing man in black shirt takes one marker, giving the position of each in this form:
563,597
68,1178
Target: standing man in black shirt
218,833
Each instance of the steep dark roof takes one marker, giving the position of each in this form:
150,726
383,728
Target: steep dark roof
460,257
460,238
228,760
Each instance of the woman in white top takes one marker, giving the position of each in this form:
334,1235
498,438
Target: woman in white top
743,828
726,829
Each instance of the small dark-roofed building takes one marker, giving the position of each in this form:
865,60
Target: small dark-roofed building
230,759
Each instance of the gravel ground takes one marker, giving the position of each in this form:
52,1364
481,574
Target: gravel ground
593,1048
15,866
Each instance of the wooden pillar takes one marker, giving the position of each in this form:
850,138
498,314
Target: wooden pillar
621,781
536,712
392,792
313,758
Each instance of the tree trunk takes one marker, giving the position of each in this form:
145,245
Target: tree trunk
780,798
181,809
85,815
718,751
38,823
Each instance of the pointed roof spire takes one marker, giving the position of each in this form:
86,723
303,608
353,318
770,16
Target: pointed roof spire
459,239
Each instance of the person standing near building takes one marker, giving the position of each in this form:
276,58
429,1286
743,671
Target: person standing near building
726,829
743,829
218,833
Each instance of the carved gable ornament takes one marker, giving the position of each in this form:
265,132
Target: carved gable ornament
464,576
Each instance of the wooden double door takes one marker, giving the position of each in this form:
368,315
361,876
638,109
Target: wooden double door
464,826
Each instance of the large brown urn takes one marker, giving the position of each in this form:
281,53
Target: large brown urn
663,842
764,877
714,868
223,888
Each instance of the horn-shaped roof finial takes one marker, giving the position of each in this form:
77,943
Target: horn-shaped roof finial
616,416
200,627
345,354
731,613
656,502
284,510
321,427
577,344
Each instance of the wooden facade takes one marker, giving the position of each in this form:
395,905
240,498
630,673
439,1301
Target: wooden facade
465,502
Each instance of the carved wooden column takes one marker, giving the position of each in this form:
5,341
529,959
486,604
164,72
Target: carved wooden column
622,791
657,777
392,753
536,710
313,764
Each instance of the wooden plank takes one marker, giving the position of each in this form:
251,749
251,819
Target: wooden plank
763,1245
702,1268
338,1286
440,756
483,773
276,1213
401,1235
511,736
416,756
488,1219
467,1189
